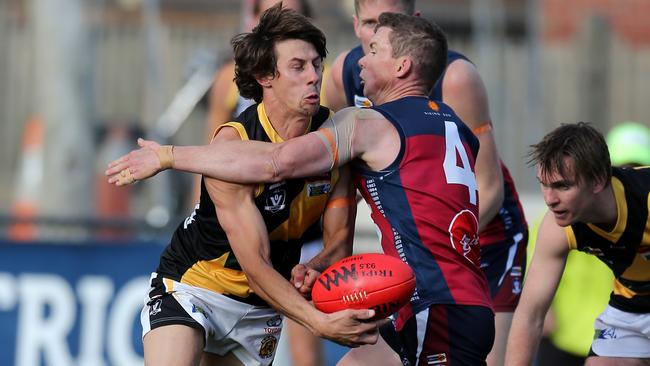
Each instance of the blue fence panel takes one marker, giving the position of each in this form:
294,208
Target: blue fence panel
73,304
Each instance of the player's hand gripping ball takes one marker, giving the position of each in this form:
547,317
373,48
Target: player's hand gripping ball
365,281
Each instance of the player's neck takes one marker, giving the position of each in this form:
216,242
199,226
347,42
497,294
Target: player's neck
288,124
604,209
397,91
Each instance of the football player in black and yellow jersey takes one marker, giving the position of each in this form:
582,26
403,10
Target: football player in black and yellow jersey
226,274
599,210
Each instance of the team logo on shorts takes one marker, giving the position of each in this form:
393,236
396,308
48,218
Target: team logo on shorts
267,349
155,308
275,321
607,333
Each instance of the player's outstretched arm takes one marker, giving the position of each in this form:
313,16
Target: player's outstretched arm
244,161
233,161
540,285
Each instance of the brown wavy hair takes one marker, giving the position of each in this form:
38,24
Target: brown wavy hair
581,142
255,51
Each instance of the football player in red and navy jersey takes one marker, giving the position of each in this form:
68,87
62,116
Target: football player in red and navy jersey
414,162
503,230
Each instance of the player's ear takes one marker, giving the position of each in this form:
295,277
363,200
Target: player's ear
264,81
403,66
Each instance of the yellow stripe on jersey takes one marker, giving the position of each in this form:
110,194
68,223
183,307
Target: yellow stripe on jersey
268,127
169,285
212,275
621,207
621,290
237,126
571,237
305,210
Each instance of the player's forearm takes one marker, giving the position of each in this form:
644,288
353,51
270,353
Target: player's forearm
282,296
523,339
489,179
491,200
232,161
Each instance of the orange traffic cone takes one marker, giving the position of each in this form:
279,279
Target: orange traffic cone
29,182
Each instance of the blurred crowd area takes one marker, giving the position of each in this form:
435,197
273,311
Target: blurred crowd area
83,78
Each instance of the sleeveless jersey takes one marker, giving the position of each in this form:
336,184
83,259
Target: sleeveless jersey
626,248
425,204
199,253
509,223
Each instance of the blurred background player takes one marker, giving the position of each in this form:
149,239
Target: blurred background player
587,282
503,228
226,103
600,210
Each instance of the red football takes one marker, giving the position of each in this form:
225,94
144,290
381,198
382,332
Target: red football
365,281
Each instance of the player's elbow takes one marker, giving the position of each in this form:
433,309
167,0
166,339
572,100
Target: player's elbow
282,165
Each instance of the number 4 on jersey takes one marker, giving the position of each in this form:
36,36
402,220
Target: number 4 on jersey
458,174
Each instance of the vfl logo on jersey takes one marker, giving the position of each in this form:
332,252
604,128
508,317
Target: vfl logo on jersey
463,234
361,101
197,309
267,349
155,307
275,201
318,188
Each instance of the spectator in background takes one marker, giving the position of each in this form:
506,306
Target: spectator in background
587,282
502,225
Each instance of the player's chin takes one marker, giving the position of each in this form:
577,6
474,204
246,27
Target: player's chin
310,108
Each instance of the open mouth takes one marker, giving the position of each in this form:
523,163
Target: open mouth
312,98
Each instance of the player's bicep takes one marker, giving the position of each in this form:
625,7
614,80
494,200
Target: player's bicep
236,210
464,91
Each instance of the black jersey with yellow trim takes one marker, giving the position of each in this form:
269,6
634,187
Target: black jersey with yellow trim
625,248
199,253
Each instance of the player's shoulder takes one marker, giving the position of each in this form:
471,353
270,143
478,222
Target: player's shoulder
461,73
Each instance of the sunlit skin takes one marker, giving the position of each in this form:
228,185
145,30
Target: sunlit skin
367,16
384,76
293,93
